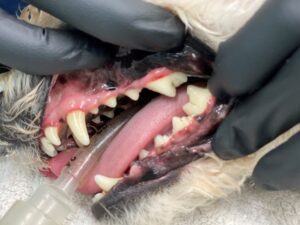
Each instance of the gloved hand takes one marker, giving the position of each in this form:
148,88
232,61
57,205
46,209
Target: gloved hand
260,66
131,23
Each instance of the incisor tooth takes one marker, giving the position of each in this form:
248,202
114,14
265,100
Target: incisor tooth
48,148
160,140
51,134
133,94
95,111
198,99
106,183
76,122
111,102
163,86
98,197
179,123
143,154
178,78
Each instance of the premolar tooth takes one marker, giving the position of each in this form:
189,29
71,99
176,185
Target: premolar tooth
111,102
143,154
48,148
160,140
110,114
52,135
163,86
106,183
178,78
95,111
133,94
97,120
198,99
179,123
76,122
98,197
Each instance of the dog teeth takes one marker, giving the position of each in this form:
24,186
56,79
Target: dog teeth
111,102
143,154
51,134
48,148
198,99
167,85
133,94
98,197
160,140
95,111
179,123
109,114
76,123
97,120
106,183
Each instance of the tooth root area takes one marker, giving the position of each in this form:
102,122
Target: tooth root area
143,154
110,114
47,147
179,123
95,111
51,134
133,94
198,99
160,140
111,102
178,78
98,197
106,183
76,123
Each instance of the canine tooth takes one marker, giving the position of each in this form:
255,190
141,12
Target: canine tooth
109,114
76,123
98,197
133,94
106,183
163,86
112,102
143,154
95,111
48,148
198,98
178,78
178,123
51,134
160,140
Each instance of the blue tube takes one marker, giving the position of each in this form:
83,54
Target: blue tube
12,6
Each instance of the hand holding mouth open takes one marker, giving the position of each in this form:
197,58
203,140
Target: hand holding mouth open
43,51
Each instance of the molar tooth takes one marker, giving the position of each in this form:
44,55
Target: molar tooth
143,154
47,147
76,123
160,140
95,111
133,94
111,102
179,123
52,135
163,86
106,183
178,78
98,197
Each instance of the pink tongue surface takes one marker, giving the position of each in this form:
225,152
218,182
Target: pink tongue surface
136,135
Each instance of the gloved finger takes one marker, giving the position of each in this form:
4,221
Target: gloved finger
132,23
248,59
280,169
260,118
47,51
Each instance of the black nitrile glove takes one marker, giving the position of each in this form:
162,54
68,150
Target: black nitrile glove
260,66
131,23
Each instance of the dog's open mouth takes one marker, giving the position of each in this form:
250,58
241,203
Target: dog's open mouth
170,131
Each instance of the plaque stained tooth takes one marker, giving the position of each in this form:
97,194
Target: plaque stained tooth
178,78
160,140
98,197
76,123
110,114
111,102
51,134
95,111
133,94
179,123
47,147
198,99
143,154
163,86
106,183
